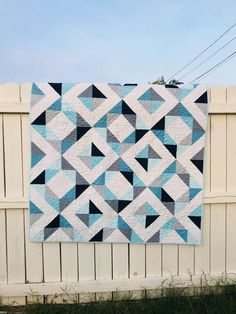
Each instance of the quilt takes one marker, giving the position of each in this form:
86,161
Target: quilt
117,162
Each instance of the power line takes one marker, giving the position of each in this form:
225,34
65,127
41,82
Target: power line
191,61
215,66
204,61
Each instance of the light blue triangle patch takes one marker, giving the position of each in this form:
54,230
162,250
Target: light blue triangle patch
36,90
87,101
54,203
183,233
150,210
137,181
156,104
100,180
36,158
197,212
93,218
108,195
130,138
135,237
41,129
143,153
34,209
96,160
56,105
64,223
66,87
70,195
117,108
102,123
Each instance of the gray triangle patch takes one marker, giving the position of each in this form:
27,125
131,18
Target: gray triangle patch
152,153
155,237
84,218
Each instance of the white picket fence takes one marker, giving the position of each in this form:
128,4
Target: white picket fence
83,271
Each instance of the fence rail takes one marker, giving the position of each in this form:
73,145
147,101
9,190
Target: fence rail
50,268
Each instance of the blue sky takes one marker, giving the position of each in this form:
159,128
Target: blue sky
112,41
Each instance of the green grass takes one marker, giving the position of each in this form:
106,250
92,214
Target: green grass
212,300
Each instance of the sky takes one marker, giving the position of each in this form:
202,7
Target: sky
125,41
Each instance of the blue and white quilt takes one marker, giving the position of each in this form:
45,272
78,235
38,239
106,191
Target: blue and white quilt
117,163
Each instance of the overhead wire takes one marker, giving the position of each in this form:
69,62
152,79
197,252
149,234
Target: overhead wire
215,67
208,58
201,53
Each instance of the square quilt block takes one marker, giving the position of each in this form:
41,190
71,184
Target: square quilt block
117,163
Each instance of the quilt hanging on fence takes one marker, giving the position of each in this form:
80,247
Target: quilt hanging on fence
117,163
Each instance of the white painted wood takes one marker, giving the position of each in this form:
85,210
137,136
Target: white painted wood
15,246
69,269
19,202
3,259
25,93
202,252
220,198
186,259
153,260
25,154
2,165
103,260
137,261
218,183
13,185
69,258
231,185
170,259
110,285
13,155
222,107
51,262
33,251
137,265
120,259
33,255
86,266
86,261
120,266
14,108
103,269
9,92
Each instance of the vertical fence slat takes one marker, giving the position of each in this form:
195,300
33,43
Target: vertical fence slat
3,259
153,260
231,185
69,267
218,183
13,174
169,259
51,261
120,260
137,258
86,263
103,266
186,259
33,251
202,252
120,265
